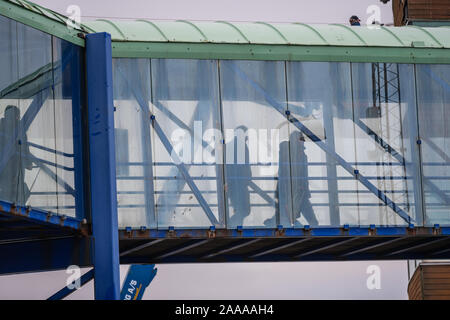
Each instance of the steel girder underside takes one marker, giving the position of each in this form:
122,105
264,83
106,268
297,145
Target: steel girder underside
48,251
36,240
277,245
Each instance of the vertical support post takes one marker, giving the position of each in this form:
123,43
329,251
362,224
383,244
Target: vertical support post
102,166
333,196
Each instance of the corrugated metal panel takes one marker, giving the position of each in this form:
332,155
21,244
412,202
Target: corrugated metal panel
398,9
420,10
430,282
415,285
277,33
429,9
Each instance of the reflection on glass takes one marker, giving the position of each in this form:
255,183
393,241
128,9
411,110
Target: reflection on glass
359,155
68,101
36,133
319,96
25,88
381,140
433,98
186,106
238,177
133,143
251,92
14,146
411,156
301,194
38,115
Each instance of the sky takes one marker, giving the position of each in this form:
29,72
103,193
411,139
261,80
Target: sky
317,11
293,280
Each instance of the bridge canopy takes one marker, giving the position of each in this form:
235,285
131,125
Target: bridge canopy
321,143
214,129
267,136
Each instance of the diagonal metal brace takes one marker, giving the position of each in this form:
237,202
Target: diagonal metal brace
388,148
182,125
184,172
386,200
64,292
181,167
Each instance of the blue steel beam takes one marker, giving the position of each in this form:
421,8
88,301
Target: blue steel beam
322,145
427,243
300,232
140,247
365,248
45,254
325,247
183,248
40,216
233,247
64,292
102,166
440,252
280,247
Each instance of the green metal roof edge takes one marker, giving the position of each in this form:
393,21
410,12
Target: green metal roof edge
27,79
40,22
279,52
34,16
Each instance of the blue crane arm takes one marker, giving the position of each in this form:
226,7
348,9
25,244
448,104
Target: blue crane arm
138,278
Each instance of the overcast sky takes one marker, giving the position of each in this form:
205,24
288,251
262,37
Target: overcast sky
337,280
317,11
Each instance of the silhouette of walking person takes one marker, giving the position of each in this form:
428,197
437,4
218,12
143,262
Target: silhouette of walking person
293,170
14,144
301,204
239,175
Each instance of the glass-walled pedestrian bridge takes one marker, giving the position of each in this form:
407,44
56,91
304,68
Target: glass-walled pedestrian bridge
233,141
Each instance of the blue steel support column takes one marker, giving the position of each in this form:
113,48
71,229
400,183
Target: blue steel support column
102,166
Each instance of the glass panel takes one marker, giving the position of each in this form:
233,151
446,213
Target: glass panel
186,106
411,151
133,144
319,97
37,120
8,54
256,137
68,103
381,121
433,98
8,122
27,173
